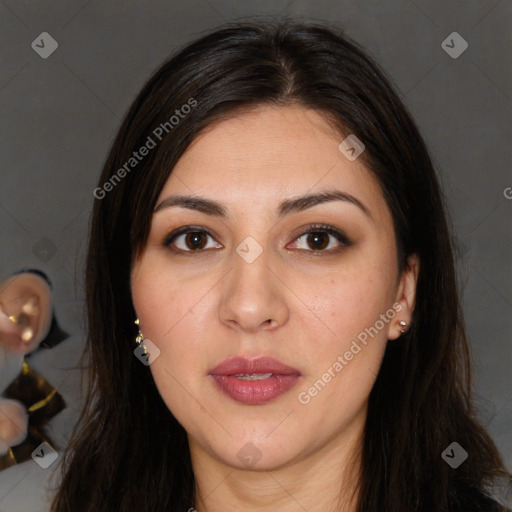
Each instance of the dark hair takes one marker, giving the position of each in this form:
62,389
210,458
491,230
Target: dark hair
37,272
421,400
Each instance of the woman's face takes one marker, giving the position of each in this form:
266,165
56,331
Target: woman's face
255,278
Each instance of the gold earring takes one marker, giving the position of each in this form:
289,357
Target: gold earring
23,320
403,326
140,338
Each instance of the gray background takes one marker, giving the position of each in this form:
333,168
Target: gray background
59,115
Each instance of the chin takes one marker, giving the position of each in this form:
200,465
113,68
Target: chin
256,452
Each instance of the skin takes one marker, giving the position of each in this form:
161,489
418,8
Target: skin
26,298
13,424
25,305
294,302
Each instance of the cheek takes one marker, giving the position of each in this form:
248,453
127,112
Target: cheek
350,341
352,302
164,302
344,361
351,333
173,315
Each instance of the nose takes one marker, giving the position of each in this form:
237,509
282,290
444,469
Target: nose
254,294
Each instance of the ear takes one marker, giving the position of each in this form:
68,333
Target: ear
405,297
25,312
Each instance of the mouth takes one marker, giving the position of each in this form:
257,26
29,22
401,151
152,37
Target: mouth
256,381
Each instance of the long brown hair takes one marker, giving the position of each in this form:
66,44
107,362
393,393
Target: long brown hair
127,452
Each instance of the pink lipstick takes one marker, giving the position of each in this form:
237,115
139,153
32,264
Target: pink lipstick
254,382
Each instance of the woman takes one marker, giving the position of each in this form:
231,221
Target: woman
269,229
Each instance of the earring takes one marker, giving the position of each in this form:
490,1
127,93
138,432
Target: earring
403,326
140,338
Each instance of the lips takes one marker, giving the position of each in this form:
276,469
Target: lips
237,365
254,381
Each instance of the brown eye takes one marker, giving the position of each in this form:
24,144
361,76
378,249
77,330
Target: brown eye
318,237
188,240
195,240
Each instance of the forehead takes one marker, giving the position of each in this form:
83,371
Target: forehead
270,153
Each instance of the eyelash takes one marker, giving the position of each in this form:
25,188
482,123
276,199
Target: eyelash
314,228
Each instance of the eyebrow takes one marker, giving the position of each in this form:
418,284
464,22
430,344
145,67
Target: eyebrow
286,207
